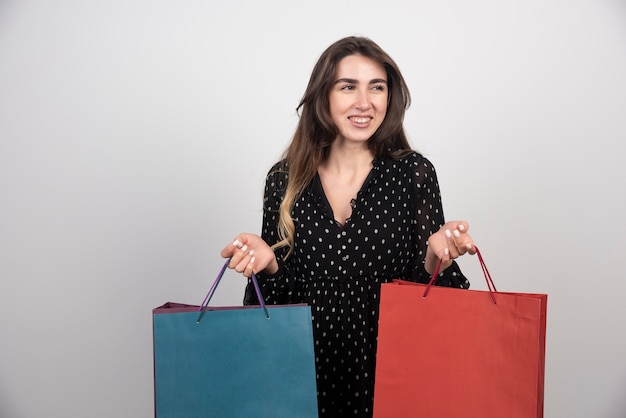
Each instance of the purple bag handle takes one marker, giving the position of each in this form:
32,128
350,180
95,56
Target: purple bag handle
207,298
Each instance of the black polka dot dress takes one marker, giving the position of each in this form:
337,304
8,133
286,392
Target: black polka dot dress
338,269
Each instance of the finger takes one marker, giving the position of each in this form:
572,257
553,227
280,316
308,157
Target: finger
465,243
463,227
237,251
243,261
230,249
227,251
451,244
249,268
445,260
460,242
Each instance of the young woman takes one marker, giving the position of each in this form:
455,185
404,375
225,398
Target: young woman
349,207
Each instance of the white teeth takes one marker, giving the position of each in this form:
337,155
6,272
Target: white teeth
360,120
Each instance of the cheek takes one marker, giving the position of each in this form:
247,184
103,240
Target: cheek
337,107
379,101
382,106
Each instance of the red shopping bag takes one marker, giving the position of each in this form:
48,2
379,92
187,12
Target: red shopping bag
450,353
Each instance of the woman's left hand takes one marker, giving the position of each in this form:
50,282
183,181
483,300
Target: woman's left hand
450,242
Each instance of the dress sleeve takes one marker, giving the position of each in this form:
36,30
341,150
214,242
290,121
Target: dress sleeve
276,288
428,219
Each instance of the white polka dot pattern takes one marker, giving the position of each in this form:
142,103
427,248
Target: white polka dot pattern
338,270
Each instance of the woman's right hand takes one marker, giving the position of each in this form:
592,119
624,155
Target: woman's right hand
250,253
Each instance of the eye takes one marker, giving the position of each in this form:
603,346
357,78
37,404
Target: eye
378,87
348,87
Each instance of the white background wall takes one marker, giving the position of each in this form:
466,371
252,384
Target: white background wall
135,136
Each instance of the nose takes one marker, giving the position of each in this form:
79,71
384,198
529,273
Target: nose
362,100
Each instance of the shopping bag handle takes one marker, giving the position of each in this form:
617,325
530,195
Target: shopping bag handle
207,298
490,285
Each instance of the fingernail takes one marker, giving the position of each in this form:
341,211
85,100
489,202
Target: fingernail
244,248
448,234
446,251
251,252
469,246
251,261
461,227
457,233
236,243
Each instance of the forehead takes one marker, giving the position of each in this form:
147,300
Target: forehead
360,67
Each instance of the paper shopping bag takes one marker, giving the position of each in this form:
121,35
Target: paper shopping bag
450,353
233,362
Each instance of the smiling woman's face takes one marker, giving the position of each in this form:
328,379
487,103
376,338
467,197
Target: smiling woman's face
358,98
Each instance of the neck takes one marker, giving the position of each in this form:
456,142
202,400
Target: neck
342,157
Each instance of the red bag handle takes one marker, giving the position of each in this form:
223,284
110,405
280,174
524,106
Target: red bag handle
490,285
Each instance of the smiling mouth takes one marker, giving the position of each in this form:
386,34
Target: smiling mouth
360,121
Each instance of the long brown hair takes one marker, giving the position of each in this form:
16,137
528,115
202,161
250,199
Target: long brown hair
316,131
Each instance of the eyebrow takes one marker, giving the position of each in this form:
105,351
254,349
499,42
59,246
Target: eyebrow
353,81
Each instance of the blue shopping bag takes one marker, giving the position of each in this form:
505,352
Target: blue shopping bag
234,362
